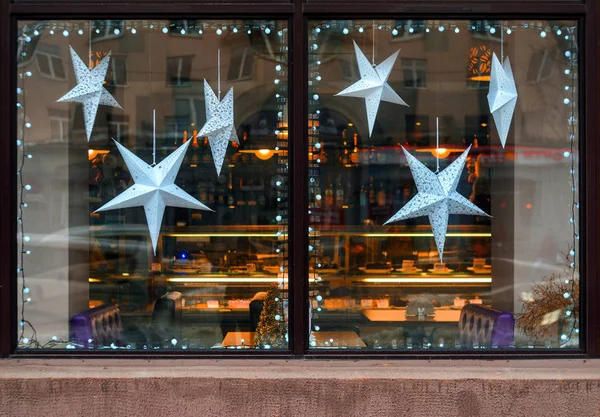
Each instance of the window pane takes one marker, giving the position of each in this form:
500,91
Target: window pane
192,256
425,232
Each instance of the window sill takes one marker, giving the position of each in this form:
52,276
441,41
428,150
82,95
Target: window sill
279,387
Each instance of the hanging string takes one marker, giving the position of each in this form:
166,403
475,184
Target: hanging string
219,72
501,43
373,42
90,47
437,145
153,137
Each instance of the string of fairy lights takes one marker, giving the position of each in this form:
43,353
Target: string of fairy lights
318,37
27,336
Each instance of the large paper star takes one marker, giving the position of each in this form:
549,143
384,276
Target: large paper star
219,126
502,96
437,197
154,189
373,86
89,89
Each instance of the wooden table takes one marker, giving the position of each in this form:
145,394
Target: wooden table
322,339
399,315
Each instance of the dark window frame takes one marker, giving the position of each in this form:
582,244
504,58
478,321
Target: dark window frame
298,12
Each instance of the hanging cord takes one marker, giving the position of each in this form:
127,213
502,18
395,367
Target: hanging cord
373,57
219,72
501,43
90,46
153,137
437,145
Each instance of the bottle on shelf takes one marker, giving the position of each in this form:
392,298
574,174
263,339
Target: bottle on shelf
329,199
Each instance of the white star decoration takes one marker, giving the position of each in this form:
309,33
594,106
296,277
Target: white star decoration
154,189
502,96
437,197
219,126
373,86
89,89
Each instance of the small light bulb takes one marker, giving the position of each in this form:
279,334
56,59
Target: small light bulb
361,29
52,31
563,337
36,32
566,101
566,295
492,30
572,253
267,30
174,342
249,31
165,30
567,71
411,30
278,218
345,31
318,197
29,156
80,32
276,81
278,67
28,125
543,34
559,32
133,30
26,290
28,187
235,30
315,96
567,53
25,340
456,30
394,31
277,317
28,300
278,183
566,154
318,78
65,33
441,28
319,298
26,238
219,31
508,31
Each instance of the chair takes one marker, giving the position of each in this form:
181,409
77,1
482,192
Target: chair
167,318
484,326
96,327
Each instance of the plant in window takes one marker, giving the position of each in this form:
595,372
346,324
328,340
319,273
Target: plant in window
270,332
548,304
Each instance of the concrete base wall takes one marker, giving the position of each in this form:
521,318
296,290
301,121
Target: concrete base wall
299,388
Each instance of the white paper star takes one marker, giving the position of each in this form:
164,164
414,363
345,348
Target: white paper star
437,197
89,89
219,126
154,189
502,96
373,86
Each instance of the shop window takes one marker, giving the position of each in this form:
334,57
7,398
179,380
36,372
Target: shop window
393,266
415,73
241,64
161,223
50,66
117,76
179,71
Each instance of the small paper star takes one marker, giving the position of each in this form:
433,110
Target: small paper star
373,86
154,189
437,197
89,90
219,126
502,96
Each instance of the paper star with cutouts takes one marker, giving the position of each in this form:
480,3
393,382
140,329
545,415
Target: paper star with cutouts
219,126
89,90
154,189
437,197
373,86
502,96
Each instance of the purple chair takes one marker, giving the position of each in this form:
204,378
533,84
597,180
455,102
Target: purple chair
99,326
484,326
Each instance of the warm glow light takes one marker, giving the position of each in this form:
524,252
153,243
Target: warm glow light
418,123
224,234
218,278
422,280
93,153
125,274
484,125
264,154
350,124
441,152
94,280
481,78
425,235
528,206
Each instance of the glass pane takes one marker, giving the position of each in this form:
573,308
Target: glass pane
425,231
156,220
